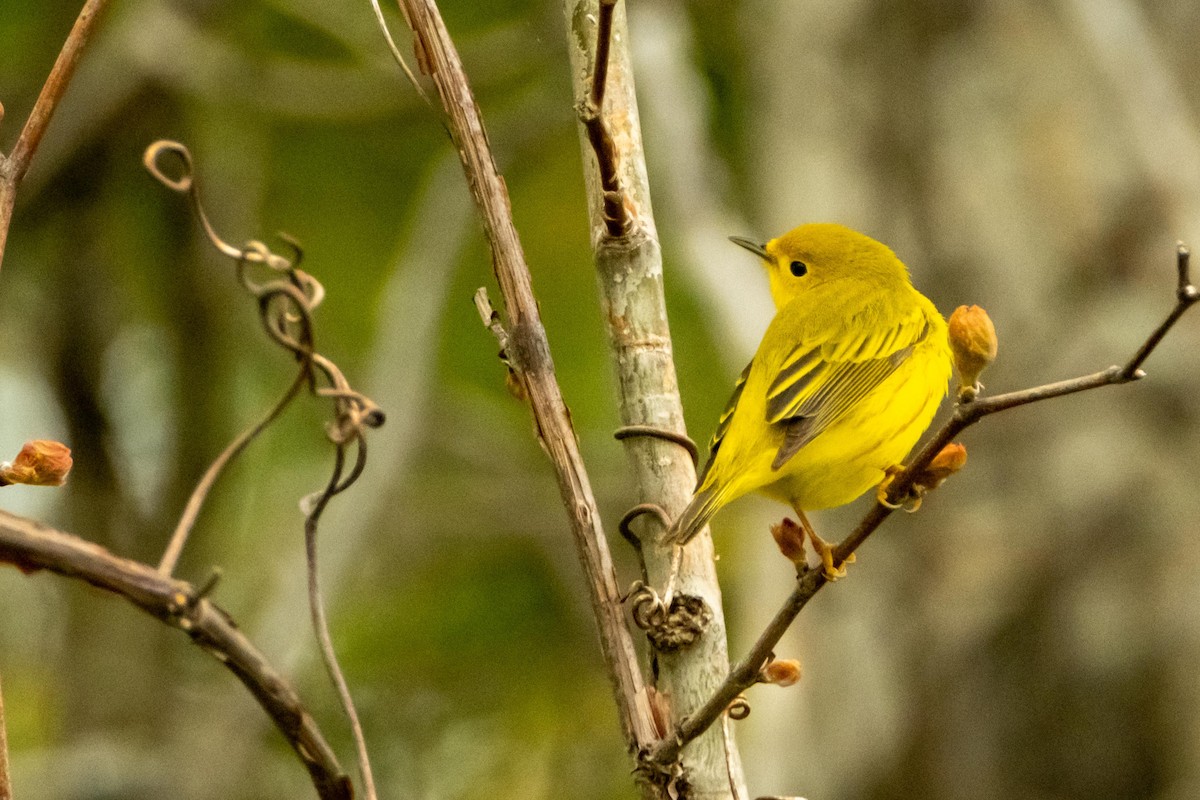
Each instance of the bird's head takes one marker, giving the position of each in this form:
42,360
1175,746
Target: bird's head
821,252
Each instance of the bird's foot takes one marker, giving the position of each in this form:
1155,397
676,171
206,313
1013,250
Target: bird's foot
831,568
949,460
910,503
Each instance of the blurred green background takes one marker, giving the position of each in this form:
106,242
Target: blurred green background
1032,633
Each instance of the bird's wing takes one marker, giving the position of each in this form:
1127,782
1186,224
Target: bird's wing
821,379
723,423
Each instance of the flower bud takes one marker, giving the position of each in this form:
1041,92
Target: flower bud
790,538
948,461
41,462
783,672
973,343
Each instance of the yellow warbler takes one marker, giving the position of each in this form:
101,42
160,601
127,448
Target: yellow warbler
848,375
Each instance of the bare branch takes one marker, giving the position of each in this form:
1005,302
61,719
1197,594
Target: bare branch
31,546
529,356
746,672
14,167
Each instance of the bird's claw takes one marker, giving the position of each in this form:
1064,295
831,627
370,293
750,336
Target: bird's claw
824,550
830,569
910,503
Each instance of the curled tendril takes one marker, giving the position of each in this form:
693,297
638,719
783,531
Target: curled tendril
624,527
739,709
184,184
644,604
286,296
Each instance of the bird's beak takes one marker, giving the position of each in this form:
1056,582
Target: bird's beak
751,245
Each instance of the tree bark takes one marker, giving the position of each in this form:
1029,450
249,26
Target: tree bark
630,273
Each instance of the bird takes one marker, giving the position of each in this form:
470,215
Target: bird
849,374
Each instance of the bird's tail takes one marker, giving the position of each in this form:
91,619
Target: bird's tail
697,514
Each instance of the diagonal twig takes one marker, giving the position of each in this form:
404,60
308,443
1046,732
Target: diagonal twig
187,520
745,672
529,355
16,164
31,546
397,56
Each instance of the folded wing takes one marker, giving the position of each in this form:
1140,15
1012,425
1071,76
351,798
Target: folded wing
820,381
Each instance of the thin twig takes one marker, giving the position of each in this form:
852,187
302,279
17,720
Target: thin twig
732,764
1185,295
14,167
5,780
617,219
745,672
31,546
53,89
395,51
604,26
195,502
320,623
529,355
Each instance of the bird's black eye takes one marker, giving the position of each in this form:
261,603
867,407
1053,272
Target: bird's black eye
799,269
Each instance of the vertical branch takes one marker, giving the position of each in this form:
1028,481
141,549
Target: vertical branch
529,354
16,164
629,270
5,782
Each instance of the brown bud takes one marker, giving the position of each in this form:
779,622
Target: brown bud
973,343
948,461
42,462
783,672
790,538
